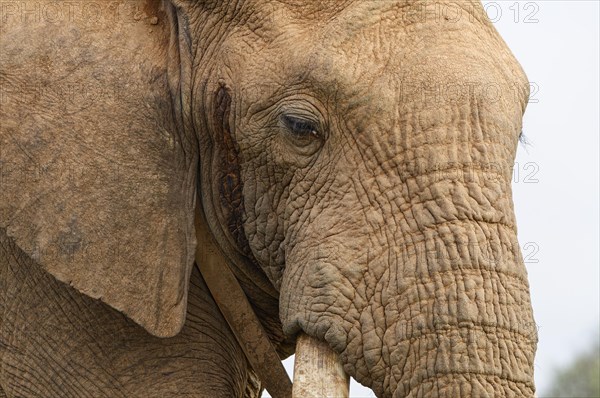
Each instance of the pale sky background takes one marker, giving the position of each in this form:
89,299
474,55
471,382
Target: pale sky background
560,213
557,43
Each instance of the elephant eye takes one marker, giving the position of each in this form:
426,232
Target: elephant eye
302,130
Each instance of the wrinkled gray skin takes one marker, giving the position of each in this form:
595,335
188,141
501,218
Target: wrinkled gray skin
353,161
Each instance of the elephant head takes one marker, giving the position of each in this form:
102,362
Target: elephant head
352,159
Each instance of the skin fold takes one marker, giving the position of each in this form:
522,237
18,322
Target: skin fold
353,160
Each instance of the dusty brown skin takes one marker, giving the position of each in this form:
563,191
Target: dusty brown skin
353,160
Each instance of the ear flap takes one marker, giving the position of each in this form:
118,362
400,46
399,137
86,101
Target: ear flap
97,183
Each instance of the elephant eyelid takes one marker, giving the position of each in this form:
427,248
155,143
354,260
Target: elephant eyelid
300,126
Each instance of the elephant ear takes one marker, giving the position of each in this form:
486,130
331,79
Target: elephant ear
97,182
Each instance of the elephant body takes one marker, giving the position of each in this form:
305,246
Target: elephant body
351,159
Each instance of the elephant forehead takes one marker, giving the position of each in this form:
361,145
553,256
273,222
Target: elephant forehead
374,53
388,51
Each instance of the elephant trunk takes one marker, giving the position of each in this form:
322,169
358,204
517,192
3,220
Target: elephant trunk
463,324
436,308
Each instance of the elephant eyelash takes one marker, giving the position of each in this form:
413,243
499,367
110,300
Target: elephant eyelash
523,139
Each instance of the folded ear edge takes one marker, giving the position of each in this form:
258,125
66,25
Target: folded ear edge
160,322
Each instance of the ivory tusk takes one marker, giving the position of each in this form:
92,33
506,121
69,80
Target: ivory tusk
318,372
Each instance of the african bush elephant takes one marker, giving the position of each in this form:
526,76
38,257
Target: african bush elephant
352,160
